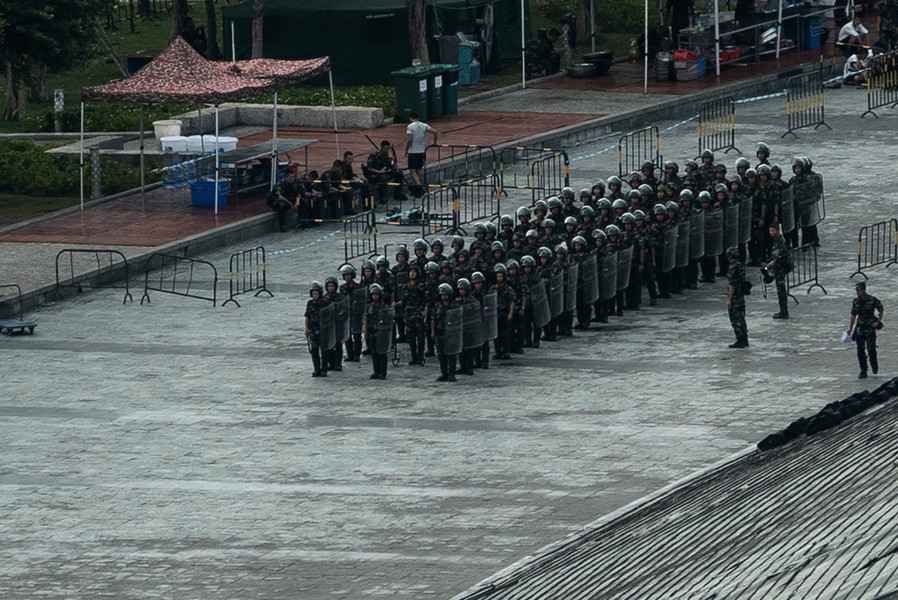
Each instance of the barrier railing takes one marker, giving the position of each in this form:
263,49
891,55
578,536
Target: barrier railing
442,212
717,126
102,262
543,171
877,244
805,102
247,273
448,163
882,83
359,235
637,147
805,270
176,277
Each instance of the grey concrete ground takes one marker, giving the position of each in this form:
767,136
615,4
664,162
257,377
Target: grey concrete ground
177,450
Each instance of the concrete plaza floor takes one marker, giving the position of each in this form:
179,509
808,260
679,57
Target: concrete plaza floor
175,450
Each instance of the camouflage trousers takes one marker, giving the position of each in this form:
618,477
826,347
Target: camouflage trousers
737,320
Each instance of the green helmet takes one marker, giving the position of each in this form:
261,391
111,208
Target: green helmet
497,245
512,264
599,236
720,169
445,289
578,239
492,229
561,249
570,221
420,244
707,154
776,169
528,261
686,196
463,284
458,242
369,265
763,171
619,204
603,203
615,180
381,261
402,251
375,288
647,165
672,207
506,220
555,202
751,173
612,230
659,209
645,190
632,195
691,165
587,212
585,193
532,234
742,164
523,212
634,176
437,243
705,196
347,269
479,229
721,188
639,215
763,149
432,267
316,285
672,166
567,193
544,252
331,280
548,223
627,219
477,277
500,268
541,205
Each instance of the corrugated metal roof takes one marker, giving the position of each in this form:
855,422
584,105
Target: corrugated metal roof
816,518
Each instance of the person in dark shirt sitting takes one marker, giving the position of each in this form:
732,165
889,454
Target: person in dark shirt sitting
310,196
337,194
283,199
360,190
380,170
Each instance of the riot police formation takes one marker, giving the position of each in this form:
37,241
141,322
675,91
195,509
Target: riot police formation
565,262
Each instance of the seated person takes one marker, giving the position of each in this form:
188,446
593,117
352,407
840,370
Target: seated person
380,170
310,198
283,199
854,71
358,186
337,194
852,36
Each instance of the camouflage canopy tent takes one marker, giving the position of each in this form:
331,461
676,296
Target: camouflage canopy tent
181,74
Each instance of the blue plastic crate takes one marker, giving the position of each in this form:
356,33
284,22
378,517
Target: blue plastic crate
202,193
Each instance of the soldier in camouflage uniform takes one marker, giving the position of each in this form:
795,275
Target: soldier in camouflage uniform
781,186
457,245
862,328
438,310
722,199
693,179
688,206
656,232
708,263
600,242
566,318
547,267
376,304
354,343
506,230
412,305
762,153
467,357
614,188
706,173
479,287
736,298
505,301
400,277
335,354
604,216
432,285
436,252
521,296
778,266
530,275
648,174
617,241
523,226
384,277
597,192
419,247
675,278
316,302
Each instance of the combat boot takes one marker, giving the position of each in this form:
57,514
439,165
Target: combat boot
316,363
450,371
781,315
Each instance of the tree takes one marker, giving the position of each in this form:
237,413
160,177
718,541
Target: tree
212,49
41,36
181,18
417,30
258,28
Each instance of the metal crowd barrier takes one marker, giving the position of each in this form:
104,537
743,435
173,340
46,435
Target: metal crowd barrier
543,171
805,270
882,83
805,104
717,126
176,277
637,147
94,277
877,244
359,235
441,212
456,162
247,273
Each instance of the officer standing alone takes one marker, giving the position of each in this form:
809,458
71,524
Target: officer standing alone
736,297
862,328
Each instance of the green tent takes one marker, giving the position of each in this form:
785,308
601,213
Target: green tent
366,39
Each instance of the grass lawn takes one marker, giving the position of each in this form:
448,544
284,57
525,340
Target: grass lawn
14,208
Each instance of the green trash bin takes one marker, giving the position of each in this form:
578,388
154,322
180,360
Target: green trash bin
435,91
450,88
412,88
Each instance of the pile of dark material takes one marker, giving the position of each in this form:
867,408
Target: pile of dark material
832,415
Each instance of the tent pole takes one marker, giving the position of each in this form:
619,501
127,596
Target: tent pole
142,169
592,23
645,51
717,35
81,158
330,76
216,160
233,44
779,28
523,49
274,144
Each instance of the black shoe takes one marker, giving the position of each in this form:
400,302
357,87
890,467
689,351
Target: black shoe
451,378
780,315
876,370
740,344
664,296
692,286
466,372
430,354
550,339
863,375
706,280
505,357
336,368
519,351
366,352
443,378
316,374
374,376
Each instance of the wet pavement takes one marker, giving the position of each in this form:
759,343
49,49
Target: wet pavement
177,450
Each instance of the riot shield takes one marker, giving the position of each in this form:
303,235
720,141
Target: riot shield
327,336
556,293
341,319
713,232
810,202
358,300
539,304
490,316
472,314
787,210
589,279
697,235
608,276
731,226
453,332
669,250
624,263
571,280
745,216
383,336
683,240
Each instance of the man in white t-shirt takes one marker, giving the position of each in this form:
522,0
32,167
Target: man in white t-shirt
853,73
416,145
852,35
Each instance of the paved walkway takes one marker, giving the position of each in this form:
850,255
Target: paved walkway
180,451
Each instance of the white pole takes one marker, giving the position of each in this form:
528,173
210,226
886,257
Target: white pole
233,44
645,51
779,29
81,158
142,169
717,35
330,76
274,144
592,23
523,49
217,154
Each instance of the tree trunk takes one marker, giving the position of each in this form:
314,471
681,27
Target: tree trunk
417,31
212,49
180,16
14,100
258,28
37,84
